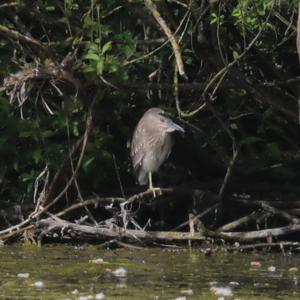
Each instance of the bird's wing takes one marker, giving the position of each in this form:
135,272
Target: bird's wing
137,148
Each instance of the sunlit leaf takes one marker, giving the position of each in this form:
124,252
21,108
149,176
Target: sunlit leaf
92,56
100,67
106,47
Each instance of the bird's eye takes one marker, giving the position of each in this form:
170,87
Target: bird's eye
162,120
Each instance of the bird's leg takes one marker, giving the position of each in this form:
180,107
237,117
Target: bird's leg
151,185
150,181
151,188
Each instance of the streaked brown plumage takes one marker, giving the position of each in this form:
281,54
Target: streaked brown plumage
151,144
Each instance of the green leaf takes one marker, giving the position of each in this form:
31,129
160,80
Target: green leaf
236,13
27,176
50,8
106,47
75,130
92,56
233,126
88,69
235,55
36,155
93,46
100,67
214,18
88,162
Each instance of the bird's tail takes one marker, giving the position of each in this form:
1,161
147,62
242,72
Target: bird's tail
143,177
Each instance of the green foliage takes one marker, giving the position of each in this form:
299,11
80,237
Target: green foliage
117,47
249,13
216,19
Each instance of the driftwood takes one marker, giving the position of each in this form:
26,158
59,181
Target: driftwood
83,232
36,219
280,245
257,234
285,215
123,227
241,221
55,224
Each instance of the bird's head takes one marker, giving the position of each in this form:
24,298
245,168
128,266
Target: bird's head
162,121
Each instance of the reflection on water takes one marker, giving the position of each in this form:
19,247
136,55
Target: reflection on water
89,272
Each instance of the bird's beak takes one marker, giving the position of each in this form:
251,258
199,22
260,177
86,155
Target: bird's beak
174,127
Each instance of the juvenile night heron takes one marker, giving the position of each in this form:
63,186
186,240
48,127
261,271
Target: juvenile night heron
151,144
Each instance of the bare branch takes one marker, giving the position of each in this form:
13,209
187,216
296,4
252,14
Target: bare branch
83,232
25,38
176,49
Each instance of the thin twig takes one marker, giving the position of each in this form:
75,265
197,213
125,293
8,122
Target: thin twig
84,142
94,201
164,43
118,175
199,216
227,68
76,182
228,173
25,38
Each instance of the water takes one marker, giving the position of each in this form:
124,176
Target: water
68,272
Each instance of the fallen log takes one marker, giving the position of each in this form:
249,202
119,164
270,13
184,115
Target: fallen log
251,247
246,236
68,229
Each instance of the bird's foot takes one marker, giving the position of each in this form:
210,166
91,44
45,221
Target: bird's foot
155,190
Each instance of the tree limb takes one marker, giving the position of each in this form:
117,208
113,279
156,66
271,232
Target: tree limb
51,225
28,39
176,49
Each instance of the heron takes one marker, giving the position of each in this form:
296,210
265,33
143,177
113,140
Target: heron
151,145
